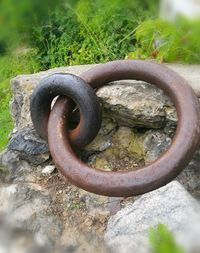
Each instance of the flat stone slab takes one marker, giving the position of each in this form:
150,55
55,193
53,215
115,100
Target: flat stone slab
142,104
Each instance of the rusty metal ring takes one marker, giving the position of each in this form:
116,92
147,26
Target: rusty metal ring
152,176
75,89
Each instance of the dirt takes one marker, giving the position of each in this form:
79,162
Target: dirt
71,208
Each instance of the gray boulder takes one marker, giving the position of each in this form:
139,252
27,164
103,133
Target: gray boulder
126,103
18,240
23,86
27,206
171,205
138,124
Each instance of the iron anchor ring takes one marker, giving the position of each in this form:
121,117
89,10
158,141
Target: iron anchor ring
152,176
73,88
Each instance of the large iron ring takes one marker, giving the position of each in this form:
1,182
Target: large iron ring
152,176
81,93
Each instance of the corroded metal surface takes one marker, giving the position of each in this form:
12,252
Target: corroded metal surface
152,176
75,89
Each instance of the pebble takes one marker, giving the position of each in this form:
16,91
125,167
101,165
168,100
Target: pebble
48,170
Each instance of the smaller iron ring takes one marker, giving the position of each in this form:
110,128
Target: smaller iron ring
75,89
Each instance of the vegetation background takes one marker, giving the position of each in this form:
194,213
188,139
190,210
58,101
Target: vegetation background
37,35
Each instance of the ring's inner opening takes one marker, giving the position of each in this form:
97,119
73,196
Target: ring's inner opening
74,117
139,122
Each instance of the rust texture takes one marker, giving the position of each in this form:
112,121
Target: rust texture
156,174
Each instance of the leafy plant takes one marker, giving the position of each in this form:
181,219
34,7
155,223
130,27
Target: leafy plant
162,240
168,42
5,120
87,31
18,18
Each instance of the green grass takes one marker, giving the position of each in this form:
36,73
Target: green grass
11,66
162,241
5,118
90,31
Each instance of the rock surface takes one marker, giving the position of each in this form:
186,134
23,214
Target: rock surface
23,86
29,207
140,105
16,240
138,124
29,146
171,205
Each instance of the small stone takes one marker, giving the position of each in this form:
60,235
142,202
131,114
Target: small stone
48,170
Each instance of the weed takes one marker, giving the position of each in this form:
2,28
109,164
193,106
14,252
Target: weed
168,42
11,66
90,31
162,240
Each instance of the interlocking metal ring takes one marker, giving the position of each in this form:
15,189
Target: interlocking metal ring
73,88
152,176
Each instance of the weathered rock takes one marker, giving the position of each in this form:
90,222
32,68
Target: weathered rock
14,167
25,150
18,240
102,205
75,244
124,142
28,207
124,149
103,139
190,176
85,212
130,148
27,215
29,146
191,73
140,105
116,147
171,205
23,86
155,143
130,105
